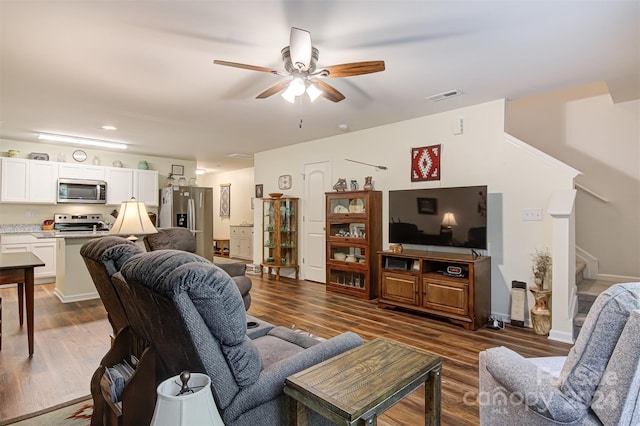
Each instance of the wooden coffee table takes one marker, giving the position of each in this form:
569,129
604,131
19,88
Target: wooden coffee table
358,385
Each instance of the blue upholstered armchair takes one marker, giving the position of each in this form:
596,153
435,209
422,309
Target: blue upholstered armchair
199,324
597,384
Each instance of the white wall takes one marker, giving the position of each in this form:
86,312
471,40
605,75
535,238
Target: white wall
516,178
584,128
242,193
36,213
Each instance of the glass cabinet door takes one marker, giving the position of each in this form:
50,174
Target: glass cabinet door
269,221
288,221
350,204
355,230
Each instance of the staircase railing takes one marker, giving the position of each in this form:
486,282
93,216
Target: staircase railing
590,192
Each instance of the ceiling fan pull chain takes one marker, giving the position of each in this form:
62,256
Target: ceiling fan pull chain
301,110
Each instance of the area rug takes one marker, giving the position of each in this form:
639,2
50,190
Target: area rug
72,413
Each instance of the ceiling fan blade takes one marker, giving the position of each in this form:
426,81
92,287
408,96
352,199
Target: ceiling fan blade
351,69
328,91
273,89
246,67
300,48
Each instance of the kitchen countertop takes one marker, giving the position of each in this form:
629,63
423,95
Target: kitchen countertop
69,234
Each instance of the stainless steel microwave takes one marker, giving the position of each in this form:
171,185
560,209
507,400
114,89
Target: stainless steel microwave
82,191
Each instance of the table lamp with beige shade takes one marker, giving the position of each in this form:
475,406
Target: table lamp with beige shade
133,220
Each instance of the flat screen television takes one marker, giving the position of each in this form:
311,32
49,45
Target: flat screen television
454,217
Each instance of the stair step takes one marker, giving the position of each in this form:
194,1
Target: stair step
580,266
578,322
589,287
588,291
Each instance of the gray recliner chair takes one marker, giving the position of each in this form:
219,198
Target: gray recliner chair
103,258
178,238
598,383
199,325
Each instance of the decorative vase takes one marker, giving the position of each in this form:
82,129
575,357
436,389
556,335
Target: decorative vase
540,313
368,185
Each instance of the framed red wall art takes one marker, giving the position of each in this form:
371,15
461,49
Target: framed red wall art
425,163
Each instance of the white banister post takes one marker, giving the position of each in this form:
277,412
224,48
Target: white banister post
563,302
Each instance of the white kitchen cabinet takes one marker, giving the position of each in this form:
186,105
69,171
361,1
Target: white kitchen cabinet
28,181
119,185
145,187
44,248
81,171
241,242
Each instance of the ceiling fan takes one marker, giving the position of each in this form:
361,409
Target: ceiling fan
300,63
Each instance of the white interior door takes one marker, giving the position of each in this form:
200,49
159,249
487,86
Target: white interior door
317,181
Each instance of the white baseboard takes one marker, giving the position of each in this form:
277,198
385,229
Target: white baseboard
617,278
561,336
76,297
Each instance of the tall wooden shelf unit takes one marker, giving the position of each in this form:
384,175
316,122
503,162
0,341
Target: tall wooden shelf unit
449,285
353,236
279,235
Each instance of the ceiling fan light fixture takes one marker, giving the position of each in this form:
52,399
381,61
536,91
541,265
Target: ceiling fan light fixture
295,88
313,92
288,95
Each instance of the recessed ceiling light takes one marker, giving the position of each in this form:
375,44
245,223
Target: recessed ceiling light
107,127
444,95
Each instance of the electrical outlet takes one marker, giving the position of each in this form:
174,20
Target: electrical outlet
532,214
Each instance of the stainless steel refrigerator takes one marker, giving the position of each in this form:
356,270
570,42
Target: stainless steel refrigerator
189,207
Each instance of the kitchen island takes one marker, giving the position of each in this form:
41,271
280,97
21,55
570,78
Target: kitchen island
73,282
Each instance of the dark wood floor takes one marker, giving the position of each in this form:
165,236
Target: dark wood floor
70,340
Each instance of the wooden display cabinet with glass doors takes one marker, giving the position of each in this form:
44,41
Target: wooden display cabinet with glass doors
354,236
279,235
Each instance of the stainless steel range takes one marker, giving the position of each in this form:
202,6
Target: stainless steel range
65,222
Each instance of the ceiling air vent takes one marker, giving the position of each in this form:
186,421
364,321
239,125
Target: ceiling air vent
444,95
240,156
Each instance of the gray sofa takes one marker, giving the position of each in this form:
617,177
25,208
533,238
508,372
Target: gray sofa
192,314
598,383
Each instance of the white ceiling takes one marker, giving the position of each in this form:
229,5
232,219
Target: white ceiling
69,67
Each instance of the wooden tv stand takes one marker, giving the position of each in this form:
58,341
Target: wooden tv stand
450,285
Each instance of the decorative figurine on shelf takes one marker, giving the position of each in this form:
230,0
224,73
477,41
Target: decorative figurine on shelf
341,185
368,184
170,180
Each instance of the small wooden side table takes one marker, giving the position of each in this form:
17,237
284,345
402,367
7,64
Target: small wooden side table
219,246
356,386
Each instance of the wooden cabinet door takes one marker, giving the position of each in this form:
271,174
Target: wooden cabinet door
446,296
399,288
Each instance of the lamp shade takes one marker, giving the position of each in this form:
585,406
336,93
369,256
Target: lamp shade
449,219
133,219
194,408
